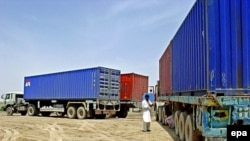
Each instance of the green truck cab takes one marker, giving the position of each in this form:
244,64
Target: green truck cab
13,102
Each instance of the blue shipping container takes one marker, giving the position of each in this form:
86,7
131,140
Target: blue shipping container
85,84
211,49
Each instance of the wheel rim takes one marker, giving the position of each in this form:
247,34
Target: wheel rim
81,113
31,111
71,112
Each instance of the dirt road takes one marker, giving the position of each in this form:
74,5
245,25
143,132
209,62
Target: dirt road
25,128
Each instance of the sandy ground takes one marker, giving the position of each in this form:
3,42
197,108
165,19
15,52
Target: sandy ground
25,128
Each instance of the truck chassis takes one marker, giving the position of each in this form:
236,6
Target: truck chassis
205,117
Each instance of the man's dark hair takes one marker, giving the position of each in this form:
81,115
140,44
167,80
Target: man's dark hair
146,96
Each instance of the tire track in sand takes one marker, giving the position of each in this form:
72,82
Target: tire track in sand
55,132
10,134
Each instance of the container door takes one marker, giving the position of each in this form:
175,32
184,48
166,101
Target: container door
114,85
109,84
104,83
126,87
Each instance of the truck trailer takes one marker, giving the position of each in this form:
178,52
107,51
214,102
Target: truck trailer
84,93
205,71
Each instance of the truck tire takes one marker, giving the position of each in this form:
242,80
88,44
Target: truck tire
181,125
9,111
190,134
122,114
23,113
71,112
32,111
176,122
81,113
188,128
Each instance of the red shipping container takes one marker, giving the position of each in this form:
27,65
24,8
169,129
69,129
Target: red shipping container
165,71
133,86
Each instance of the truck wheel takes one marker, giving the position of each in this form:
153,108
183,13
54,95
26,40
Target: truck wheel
189,129
122,114
23,113
190,134
9,111
181,125
32,110
176,122
71,112
81,113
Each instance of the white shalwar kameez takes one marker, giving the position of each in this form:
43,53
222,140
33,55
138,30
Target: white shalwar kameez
146,115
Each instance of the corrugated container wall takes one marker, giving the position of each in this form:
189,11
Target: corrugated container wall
165,72
84,84
211,49
133,86
189,52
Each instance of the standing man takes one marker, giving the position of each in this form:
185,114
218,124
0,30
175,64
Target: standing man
146,105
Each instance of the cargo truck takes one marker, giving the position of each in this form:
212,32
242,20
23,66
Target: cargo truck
205,71
81,94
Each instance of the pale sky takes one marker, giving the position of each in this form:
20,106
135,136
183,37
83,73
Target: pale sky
47,36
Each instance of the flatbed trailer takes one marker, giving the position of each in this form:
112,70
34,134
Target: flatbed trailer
206,116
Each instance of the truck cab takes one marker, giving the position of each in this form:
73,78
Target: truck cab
10,99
